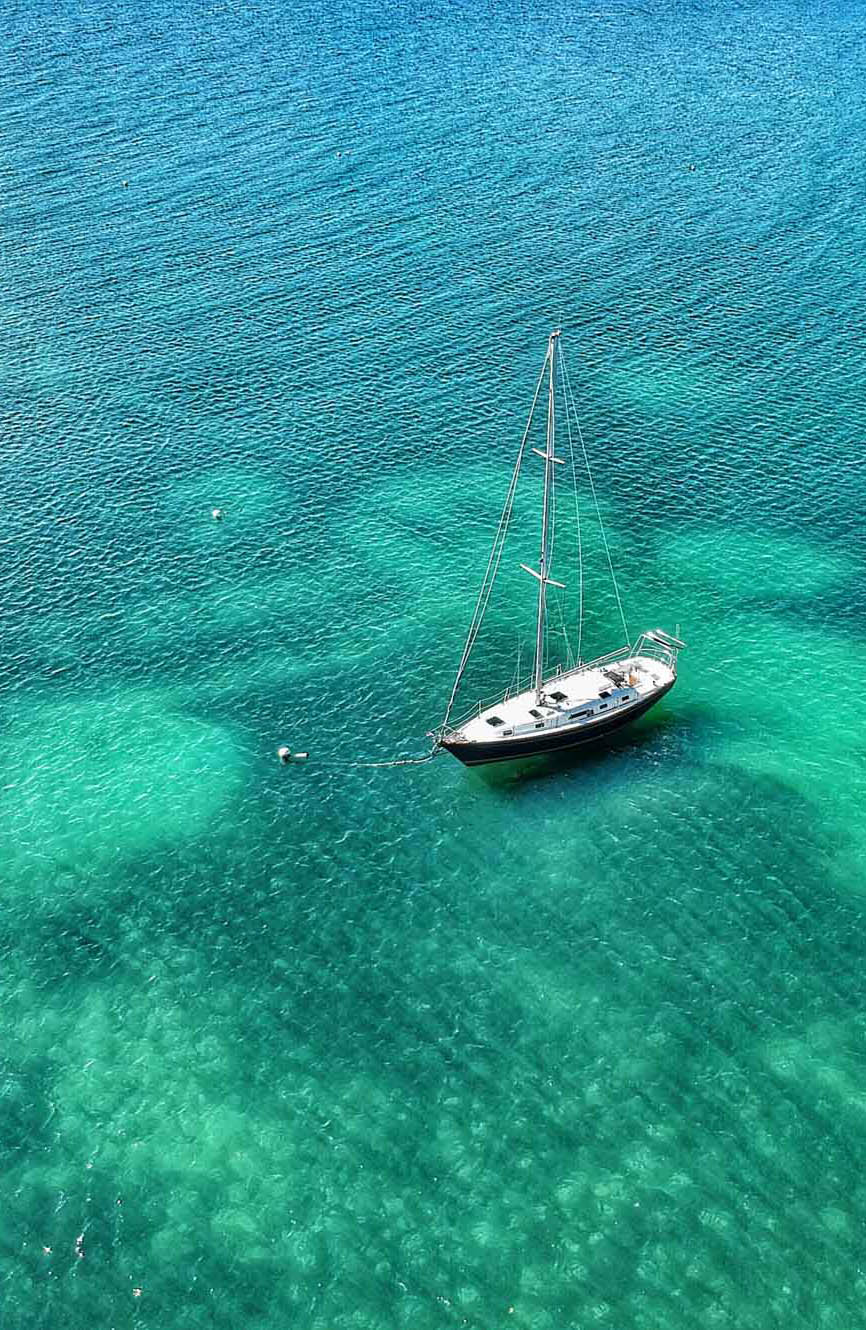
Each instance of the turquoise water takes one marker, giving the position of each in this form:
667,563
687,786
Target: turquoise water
562,1045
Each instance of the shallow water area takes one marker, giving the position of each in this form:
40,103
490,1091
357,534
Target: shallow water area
118,774
573,1042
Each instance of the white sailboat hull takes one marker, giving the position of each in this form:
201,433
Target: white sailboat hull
577,707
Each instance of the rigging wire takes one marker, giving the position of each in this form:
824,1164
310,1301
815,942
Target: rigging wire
514,686
492,569
560,599
551,542
490,573
570,395
576,518
495,557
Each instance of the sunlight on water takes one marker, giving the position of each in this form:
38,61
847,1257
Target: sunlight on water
566,1043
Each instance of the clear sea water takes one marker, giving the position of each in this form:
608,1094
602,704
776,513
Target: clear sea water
566,1045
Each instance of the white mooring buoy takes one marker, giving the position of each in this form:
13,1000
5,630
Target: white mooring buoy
217,514
286,755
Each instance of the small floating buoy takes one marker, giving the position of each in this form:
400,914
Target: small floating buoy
286,755
217,514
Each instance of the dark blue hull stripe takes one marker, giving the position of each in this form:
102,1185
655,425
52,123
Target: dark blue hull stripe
551,741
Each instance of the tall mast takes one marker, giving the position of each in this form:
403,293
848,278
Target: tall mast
542,576
543,571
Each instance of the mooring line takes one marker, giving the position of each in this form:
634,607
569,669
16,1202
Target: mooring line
287,757
399,761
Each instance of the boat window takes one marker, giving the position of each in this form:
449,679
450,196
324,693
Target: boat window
495,720
603,707
504,732
540,725
558,697
605,692
578,715
534,712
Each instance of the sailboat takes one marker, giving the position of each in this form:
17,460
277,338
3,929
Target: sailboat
575,702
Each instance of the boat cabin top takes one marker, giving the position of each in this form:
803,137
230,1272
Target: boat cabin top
575,698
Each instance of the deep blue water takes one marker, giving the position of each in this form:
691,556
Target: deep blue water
327,1046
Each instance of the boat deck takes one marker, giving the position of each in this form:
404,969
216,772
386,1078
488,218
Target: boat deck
576,698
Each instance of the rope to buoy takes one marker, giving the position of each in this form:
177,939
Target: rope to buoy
399,761
286,757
